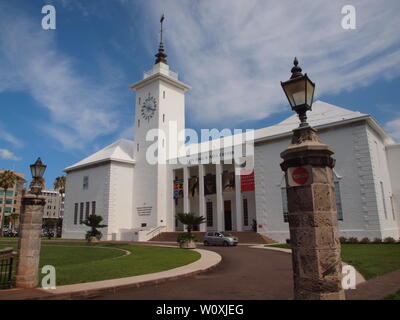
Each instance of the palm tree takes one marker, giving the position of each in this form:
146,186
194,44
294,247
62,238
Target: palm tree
93,221
190,220
7,181
14,218
40,181
59,184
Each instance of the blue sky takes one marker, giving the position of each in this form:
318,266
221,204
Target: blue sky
64,93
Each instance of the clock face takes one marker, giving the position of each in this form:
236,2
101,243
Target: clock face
148,108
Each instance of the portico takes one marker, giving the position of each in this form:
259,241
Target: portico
216,192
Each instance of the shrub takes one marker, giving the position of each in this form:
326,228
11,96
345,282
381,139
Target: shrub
377,240
343,240
365,240
352,240
185,237
389,240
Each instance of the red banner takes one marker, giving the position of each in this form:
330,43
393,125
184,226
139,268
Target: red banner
247,182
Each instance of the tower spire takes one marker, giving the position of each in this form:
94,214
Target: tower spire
161,55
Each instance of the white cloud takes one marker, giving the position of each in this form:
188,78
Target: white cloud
10,138
393,128
80,108
235,53
8,155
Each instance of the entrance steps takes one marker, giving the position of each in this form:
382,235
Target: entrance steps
243,236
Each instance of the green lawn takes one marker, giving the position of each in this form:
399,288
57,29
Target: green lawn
395,296
78,262
371,260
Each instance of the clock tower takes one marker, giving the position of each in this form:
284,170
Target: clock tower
160,105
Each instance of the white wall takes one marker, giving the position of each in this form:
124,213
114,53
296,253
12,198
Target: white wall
99,188
393,156
353,162
380,168
120,204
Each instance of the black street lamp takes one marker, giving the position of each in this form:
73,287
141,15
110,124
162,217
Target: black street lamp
37,170
299,91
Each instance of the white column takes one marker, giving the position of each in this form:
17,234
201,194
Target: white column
220,199
239,207
202,200
186,203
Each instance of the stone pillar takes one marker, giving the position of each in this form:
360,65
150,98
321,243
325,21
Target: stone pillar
317,266
27,275
220,198
238,200
202,200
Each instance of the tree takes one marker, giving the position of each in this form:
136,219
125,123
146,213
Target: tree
40,181
59,184
7,181
94,222
14,218
190,220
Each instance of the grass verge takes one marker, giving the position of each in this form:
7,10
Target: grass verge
78,262
371,260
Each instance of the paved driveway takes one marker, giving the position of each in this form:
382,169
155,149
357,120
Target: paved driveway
244,273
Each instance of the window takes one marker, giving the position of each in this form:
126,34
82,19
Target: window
93,207
81,213
163,117
87,210
138,123
245,213
85,182
392,204
383,200
338,201
284,205
76,214
209,210
163,94
140,100
137,147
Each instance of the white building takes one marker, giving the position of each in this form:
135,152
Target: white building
138,199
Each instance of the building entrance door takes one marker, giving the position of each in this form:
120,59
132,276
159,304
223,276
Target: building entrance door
228,215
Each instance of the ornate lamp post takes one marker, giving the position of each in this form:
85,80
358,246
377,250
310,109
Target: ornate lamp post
299,90
37,171
31,225
308,167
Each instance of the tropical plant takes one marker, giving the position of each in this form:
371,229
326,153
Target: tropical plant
184,237
7,181
40,181
190,220
389,240
59,184
14,218
94,222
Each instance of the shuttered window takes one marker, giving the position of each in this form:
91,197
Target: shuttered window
209,214
284,205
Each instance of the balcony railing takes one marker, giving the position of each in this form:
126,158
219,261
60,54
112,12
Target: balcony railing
168,73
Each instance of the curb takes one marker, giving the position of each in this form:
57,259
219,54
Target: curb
359,277
101,287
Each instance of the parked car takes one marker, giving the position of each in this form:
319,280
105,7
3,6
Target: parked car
220,239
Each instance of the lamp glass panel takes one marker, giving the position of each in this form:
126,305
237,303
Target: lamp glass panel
296,92
310,92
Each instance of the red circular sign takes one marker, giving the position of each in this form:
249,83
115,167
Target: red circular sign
300,175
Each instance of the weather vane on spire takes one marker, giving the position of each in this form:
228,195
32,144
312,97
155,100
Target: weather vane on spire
161,55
